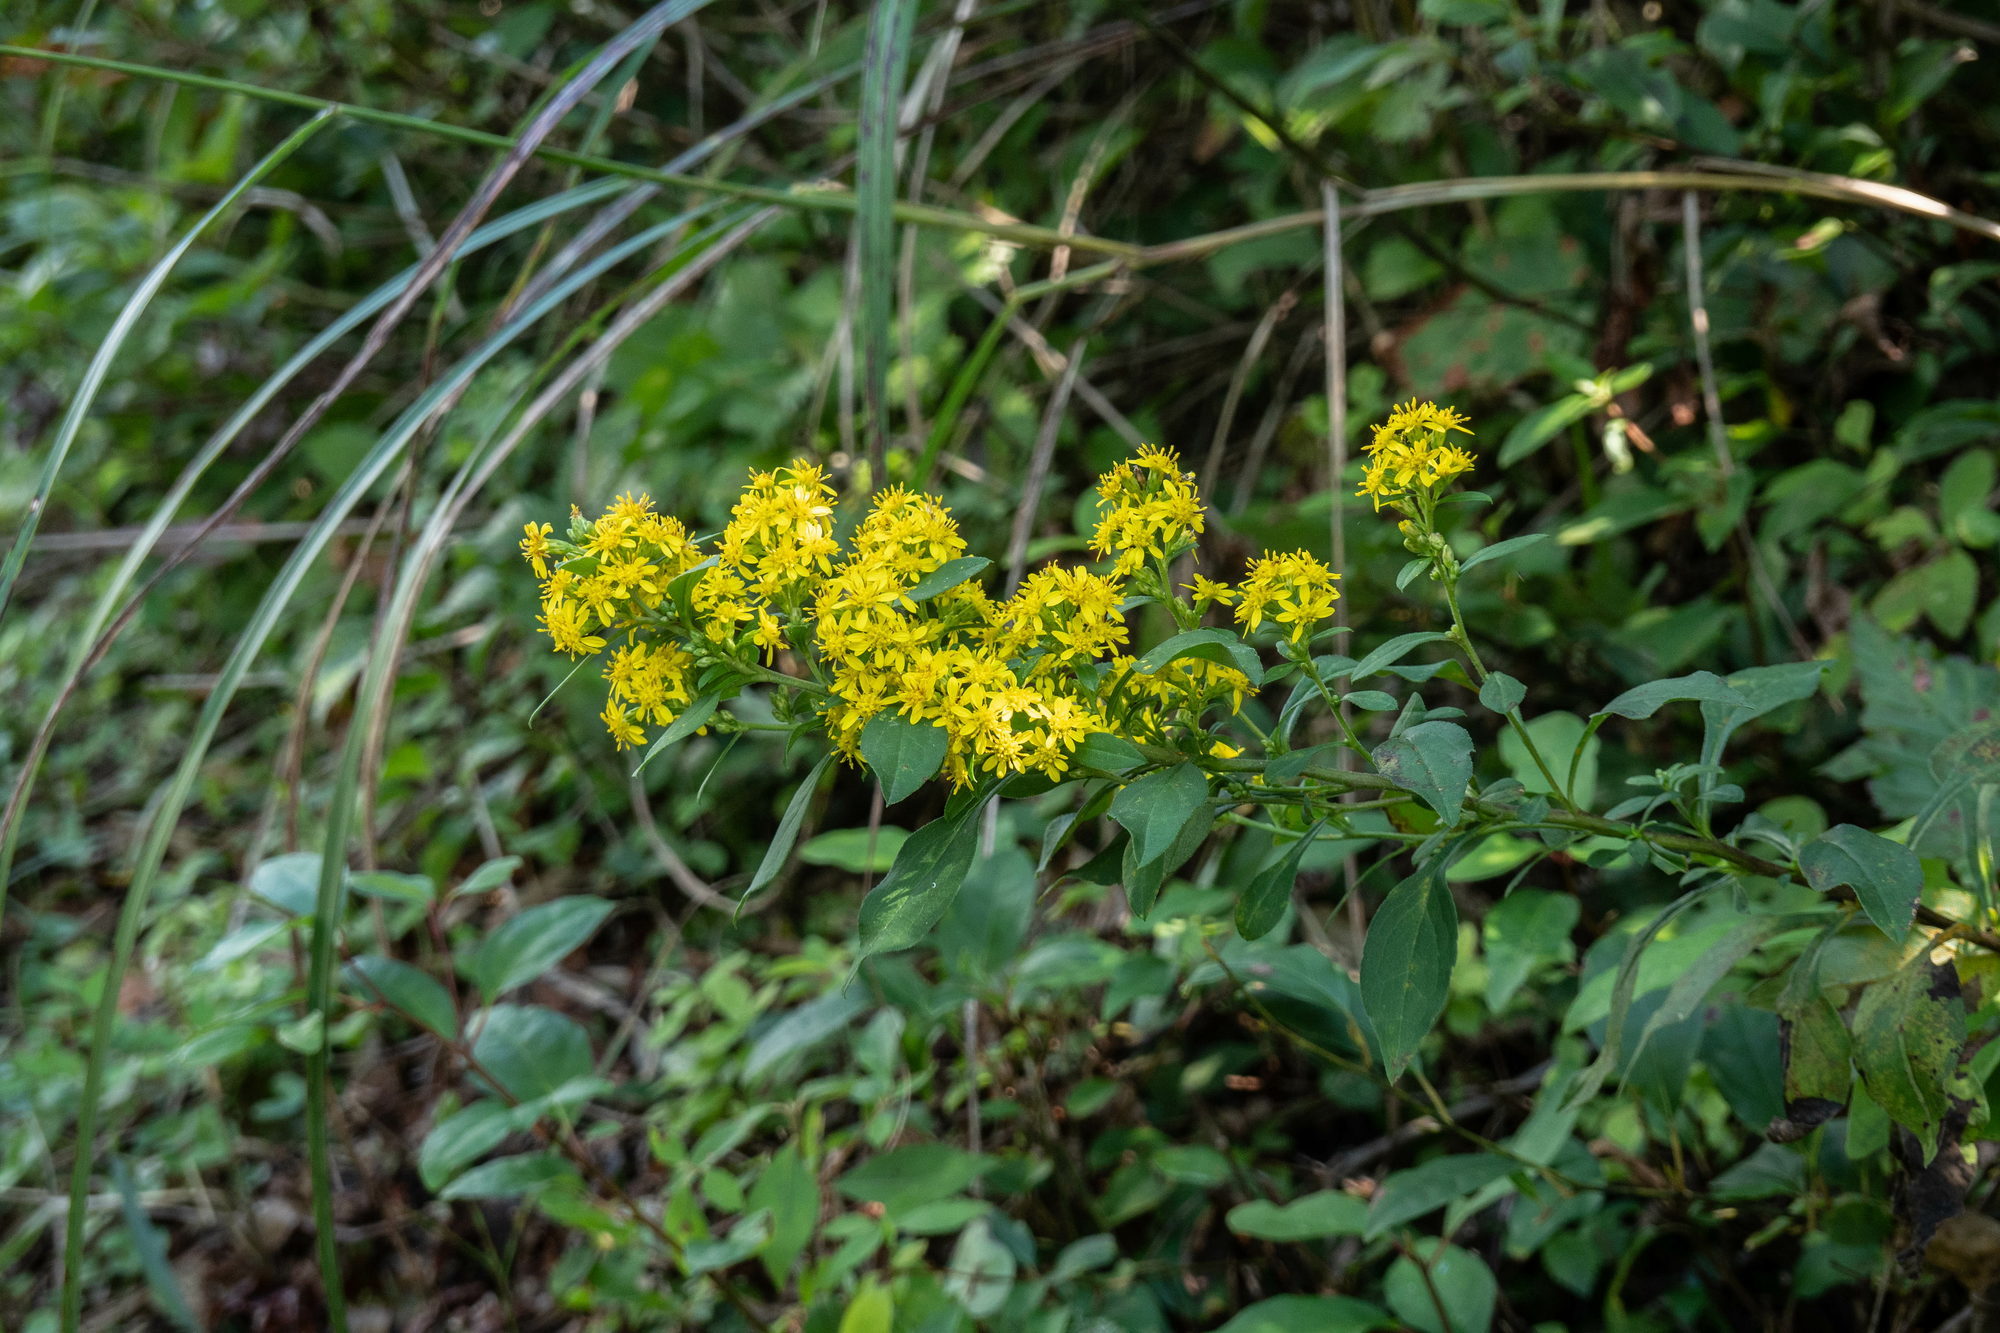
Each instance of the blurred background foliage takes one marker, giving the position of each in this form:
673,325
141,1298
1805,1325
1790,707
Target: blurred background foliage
1054,1118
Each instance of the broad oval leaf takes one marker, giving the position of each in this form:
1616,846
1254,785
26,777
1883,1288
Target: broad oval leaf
1263,903
1109,753
901,910
1407,1195
289,883
417,994
1210,645
1908,1032
904,754
528,945
511,1177
1643,701
1432,760
1406,962
1315,1216
1502,693
1885,876
529,1051
1156,808
947,576
461,1138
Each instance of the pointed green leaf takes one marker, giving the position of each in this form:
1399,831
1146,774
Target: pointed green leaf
901,910
1908,1032
1885,876
947,576
1395,651
528,945
1210,645
692,719
1158,806
1406,962
787,832
1502,693
1644,700
1501,548
1263,902
1432,760
417,994
904,754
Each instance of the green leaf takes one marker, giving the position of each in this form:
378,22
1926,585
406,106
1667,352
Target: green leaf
1908,1032
904,754
462,1138
1407,1195
1307,1314
885,58
417,994
1264,900
1158,806
811,1024
395,888
1500,548
789,1191
1436,1274
918,1173
531,943
529,1051
1566,743
1109,753
1210,645
1395,651
872,1310
1316,1216
1432,760
149,1244
982,1270
858,851
1542,425
748,1236
692,719
1643,701
490,875
787,832
1144,879
1502,693
511,1177
1372,701
289,883
1886,876
1406,962
1526,930
901,910
947,576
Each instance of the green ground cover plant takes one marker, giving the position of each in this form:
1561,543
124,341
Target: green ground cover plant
1232,666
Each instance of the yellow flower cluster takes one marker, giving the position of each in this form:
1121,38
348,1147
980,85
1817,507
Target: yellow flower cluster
1152,510
1410,456
1294,590
862,628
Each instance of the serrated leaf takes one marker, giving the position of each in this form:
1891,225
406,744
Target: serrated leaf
1406,962
1210,645
527,945
1501,548
962,569
904,754
1886,876
1433,760
692,719
1269,892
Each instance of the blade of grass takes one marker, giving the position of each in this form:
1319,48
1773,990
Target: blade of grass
885,61
114,342
378,675
174,795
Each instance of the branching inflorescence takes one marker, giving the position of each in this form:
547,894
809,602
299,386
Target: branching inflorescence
891,619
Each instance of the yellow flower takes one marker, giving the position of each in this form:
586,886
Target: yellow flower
1151,510
535,547
770,636
1408,455
1294,589
625,733
568,627
1207,591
